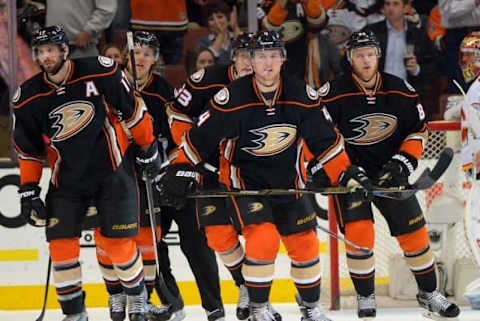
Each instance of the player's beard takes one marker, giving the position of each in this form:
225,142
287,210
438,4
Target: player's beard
53,69
364,75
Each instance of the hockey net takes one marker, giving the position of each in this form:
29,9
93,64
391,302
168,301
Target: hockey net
447,196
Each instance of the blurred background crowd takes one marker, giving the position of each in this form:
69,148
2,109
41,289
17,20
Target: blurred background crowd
420,40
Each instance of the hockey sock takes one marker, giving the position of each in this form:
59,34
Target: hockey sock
233,261
262,243
419,258
67,274
144,240
305,268
361,266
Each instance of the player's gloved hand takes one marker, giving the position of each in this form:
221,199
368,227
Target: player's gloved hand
176,182
33,208
356,178
396,171
317,177
148,160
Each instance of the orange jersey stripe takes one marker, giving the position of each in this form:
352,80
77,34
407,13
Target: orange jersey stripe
30,171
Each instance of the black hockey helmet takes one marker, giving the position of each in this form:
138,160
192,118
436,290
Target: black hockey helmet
148,39
243,41
362,39
269,40
50,35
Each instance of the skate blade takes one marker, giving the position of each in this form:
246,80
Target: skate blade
433,316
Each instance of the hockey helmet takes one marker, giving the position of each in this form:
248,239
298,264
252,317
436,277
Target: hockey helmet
148,39
470,67
49,35
241,42
265,40
362,39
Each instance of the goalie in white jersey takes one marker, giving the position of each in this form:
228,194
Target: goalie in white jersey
469,60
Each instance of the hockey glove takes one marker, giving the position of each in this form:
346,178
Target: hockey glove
317,177
356,178
396,171
174,185
33,208
149,161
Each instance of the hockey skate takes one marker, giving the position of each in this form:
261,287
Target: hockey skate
274,312
155,313
310,311
137,306
261,312
367,308
116,306
437,306
243,307
178,315
82,316
216,315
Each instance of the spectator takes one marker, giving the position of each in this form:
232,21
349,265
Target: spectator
297,22
200,59
167,19
111,50
222,29
459,17
397,36
327,62
120,24
83,22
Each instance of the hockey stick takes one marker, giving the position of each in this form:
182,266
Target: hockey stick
45,296
344,240
426,180
173,300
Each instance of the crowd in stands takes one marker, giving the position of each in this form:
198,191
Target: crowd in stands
419,39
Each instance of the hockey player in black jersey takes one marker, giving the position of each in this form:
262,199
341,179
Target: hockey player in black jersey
265,120
191,101
383,123
72,115
155,91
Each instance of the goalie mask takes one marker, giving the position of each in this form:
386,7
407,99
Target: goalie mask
469,56
362,39
147,39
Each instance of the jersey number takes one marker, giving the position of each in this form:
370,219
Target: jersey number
421,113
184,97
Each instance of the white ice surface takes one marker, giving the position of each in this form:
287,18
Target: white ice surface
289,313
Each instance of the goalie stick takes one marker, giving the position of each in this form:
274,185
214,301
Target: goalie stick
426,180
173,300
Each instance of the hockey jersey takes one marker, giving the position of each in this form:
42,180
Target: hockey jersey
263,142
379,124
157,92
78,125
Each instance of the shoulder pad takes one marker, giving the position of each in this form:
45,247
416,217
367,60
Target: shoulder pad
105,61
409,87
29,88
311,93
198,76
222,97
323,91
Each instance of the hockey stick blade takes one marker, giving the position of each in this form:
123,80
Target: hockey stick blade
425,181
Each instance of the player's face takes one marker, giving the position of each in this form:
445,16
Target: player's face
144,60
243,64
365,62
267,65
49,57
114,53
